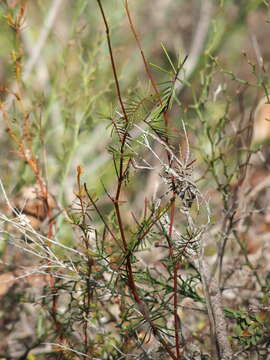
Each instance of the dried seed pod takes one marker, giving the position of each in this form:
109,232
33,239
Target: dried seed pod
36,206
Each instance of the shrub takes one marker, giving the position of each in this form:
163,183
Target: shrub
130,208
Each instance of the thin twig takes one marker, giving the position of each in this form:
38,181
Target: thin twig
152,80
112,61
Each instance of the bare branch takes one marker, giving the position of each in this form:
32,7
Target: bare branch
197,44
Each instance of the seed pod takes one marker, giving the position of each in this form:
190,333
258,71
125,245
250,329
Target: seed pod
31,202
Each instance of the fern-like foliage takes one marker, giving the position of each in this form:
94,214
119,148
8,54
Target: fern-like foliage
139,107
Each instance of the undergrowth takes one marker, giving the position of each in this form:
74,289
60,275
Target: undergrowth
130,206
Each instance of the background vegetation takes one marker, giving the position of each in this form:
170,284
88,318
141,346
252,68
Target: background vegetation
134,179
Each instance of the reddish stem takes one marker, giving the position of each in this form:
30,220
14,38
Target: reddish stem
152,80
112,61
